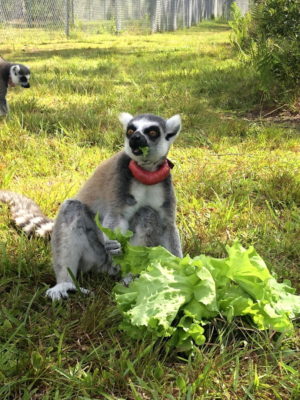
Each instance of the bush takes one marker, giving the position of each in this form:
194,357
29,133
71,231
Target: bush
269,37
277,18
240,28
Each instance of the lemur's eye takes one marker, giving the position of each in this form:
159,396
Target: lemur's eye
153,134
130,132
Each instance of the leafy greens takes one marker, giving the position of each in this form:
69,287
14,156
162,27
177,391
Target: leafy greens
175,298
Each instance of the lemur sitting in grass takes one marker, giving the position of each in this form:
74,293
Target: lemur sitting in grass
131,190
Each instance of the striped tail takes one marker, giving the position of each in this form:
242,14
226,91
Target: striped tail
26,214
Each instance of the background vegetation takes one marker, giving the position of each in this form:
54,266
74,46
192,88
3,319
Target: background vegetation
235,177
268,37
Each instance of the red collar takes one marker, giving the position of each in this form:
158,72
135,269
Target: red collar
151,177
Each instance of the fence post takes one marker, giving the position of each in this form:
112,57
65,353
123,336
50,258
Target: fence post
189,13
156,17
2,15
118,15
67,21
200,10
173,17
72,13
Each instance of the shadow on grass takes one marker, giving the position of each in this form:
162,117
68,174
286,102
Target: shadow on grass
94,52
211,26
231,88
201,85
84,97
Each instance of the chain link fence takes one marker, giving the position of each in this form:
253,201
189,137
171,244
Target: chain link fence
112,15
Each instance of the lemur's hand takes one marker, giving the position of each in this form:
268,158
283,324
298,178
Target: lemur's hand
113,247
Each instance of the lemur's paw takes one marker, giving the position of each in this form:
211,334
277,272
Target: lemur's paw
60,291
113,247
128,279
114,270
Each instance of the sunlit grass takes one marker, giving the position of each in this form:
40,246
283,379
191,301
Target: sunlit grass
234,178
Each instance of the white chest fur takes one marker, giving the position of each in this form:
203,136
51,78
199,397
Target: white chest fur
144,195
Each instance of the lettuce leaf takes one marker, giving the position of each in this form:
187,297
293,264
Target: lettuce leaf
250,289
174,298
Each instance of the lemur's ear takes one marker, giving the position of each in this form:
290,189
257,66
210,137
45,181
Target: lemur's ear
15,69
173,126
124,118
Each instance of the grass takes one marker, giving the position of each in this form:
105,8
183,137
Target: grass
234,178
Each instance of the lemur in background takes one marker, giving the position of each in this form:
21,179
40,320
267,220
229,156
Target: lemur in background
11,74
131,190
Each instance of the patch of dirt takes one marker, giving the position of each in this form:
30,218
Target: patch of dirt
282,114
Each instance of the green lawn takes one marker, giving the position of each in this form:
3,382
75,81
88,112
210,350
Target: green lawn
234,178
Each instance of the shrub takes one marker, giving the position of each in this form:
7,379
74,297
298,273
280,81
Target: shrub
268,36
239,37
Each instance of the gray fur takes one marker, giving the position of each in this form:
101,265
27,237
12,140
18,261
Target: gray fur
19,73
151,118
76,230
148,226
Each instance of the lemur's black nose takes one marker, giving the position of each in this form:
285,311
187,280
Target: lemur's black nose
137,140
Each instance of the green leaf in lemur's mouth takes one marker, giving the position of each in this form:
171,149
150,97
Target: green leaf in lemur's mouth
144,150
174,297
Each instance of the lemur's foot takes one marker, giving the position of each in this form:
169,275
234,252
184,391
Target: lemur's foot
128,279
60,291
113,247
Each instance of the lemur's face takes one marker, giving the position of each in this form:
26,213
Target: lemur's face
20,75
148,137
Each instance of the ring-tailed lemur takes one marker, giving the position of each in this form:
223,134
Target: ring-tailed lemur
132,190
11,74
